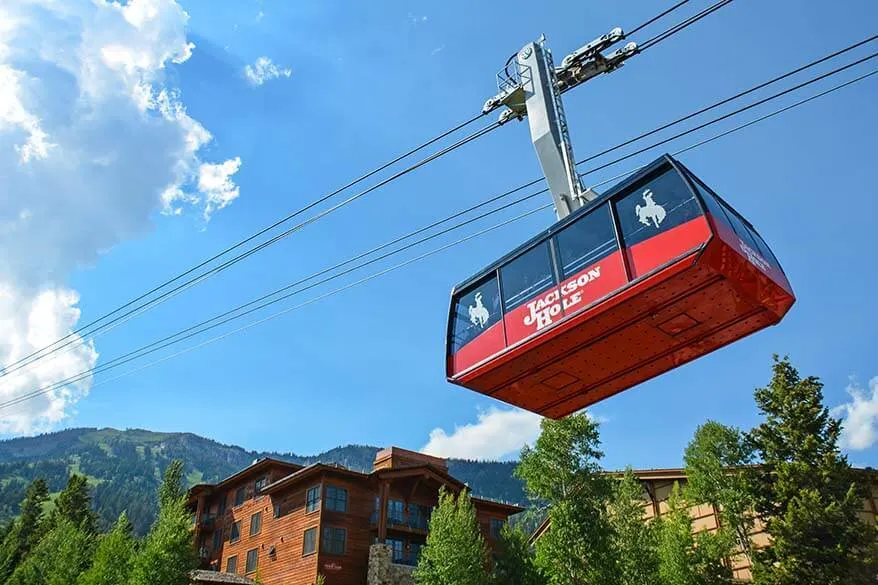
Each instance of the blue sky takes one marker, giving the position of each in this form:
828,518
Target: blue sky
358,83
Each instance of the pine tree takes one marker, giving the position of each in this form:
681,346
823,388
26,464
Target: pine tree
715,460
59,558
114,556
562,472
455,553
74,504
26,531
634,539
514,563
686,558
804,490
168,554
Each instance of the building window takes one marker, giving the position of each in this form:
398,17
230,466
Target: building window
309,542
396,512
312,499
398,547
235,535
217,539
259,484
419,516
333,541
252,559
496,527
240,496
221,507
277,510
415,552
336,499
255,523
232,564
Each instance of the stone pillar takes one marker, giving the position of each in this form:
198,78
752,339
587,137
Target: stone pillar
380,556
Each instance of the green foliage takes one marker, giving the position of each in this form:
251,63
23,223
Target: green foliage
562,471
59,558
113,558
26,531
124,468
714,469
634,540
514,563
687,559
74,505
455,553
804,491
168,554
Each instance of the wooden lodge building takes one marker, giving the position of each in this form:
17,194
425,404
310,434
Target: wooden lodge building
287,523
658,483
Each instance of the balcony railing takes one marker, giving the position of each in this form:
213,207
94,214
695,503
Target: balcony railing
413,521
409,560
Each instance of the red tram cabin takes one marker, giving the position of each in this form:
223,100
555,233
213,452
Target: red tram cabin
654,273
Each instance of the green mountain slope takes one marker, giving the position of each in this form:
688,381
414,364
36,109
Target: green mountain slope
124,467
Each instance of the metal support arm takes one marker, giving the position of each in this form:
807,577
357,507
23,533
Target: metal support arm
534,90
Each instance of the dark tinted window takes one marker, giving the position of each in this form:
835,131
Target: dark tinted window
235,534
397,547
232,564
217,539
309,544
240,496
221,508
333,540
586,241
474,311
396,511
259,484
718,208
255,523
312,499
527,276
496,528
252,558
656,205
336,499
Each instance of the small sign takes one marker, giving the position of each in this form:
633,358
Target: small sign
332,567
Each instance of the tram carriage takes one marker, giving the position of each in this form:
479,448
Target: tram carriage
654,273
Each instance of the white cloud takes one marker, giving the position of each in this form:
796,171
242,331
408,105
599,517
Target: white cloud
93,141
859,417
497,433
265,70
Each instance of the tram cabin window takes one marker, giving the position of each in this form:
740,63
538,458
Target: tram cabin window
586,241
475,311
527,276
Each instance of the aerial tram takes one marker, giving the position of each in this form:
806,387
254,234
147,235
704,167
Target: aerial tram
655,272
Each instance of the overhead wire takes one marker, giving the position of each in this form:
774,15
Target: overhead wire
683,25
92,371
79,335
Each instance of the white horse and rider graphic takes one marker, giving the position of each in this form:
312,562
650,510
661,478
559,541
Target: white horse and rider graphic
651,211
478,314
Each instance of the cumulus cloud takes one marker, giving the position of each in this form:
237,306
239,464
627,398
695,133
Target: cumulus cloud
265,70
496,434
859,417
93,141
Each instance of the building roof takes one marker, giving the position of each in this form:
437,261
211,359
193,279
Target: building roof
255,467
217,577
306,472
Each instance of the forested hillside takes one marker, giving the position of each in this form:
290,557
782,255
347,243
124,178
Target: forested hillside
124,467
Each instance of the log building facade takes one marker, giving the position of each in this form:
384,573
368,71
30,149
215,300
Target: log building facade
286,522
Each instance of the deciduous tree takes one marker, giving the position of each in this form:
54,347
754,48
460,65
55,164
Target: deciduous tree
634,539
514,563
715,460
455,553
59,557
113,557
562,471
168,555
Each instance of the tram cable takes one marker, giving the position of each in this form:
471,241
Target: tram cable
80,335
131,356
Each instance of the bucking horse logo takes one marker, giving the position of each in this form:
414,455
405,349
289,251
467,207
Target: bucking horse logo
478,314
651,211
